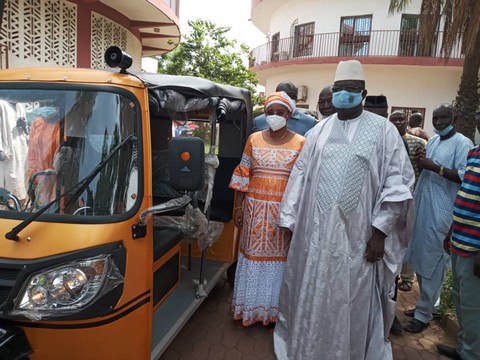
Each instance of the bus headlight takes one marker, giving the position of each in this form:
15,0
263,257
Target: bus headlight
67,288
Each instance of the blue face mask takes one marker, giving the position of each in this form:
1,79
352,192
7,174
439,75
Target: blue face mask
444,131
346,100
46,112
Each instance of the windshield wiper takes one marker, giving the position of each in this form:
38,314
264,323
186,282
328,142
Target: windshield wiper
77,190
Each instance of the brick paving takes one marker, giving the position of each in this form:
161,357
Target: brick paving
211,334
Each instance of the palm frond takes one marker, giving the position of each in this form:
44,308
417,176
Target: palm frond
398,6
430,14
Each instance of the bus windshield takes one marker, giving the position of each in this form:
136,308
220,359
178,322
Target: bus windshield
52,140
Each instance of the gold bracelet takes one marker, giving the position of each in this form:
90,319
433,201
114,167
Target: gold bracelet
440,172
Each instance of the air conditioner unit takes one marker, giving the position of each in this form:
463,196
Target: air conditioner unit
302,92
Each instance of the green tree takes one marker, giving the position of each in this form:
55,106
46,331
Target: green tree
460,21
206,52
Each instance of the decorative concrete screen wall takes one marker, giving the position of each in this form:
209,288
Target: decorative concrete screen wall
105,33
41,32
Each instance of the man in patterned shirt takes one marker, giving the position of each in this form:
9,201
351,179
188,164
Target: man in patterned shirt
463,244
413,144
415,123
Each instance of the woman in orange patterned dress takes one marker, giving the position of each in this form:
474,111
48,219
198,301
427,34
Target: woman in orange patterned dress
260,180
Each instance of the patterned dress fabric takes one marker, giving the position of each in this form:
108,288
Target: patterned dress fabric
262,174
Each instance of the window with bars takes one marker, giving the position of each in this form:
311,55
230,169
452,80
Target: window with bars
275,49
408,42
303,39
355,35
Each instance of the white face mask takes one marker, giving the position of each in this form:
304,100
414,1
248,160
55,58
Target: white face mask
276,122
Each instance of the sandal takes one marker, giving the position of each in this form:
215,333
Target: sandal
415,326
405,286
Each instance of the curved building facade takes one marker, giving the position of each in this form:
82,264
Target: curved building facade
76,33
308,38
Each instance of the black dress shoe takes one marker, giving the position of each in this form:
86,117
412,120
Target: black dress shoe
396,328
415,326
448,351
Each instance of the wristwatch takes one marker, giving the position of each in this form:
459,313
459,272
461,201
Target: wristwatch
440,172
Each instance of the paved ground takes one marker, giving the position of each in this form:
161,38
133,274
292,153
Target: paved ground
212,334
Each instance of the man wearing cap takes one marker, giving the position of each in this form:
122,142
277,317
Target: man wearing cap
324,105
377,105
298,122
347,203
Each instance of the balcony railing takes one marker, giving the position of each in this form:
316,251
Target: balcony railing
3,57
390,43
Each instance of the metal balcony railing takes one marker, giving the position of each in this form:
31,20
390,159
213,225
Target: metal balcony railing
390,43
3,57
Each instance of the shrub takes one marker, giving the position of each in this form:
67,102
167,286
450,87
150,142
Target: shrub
447,306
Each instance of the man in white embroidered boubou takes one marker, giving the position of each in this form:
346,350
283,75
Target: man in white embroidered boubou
347,203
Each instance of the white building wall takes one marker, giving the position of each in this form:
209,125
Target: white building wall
431,85
327,13
404,85
134,49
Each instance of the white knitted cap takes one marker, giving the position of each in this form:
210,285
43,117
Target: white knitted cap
349,70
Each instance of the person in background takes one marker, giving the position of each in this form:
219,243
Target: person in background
43,146
13,149
414,144
298,122
377,104
324,104
415,126
260,182
463,244
443,166
346,203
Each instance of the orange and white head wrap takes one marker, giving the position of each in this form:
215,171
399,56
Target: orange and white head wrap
281,98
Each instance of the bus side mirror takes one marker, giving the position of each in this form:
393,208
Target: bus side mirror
186,158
